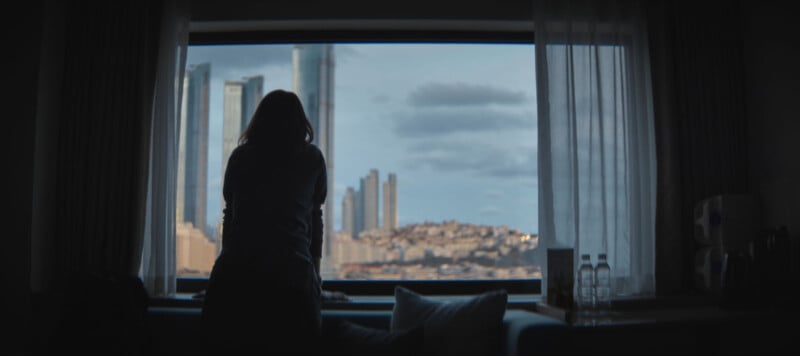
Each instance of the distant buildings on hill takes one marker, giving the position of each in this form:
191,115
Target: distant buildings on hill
447,250
360,207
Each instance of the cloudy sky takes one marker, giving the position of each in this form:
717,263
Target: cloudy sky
455,122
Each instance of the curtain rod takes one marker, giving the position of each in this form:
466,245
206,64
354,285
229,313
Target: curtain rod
360,24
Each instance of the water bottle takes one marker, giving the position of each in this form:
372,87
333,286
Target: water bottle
586,283
602,280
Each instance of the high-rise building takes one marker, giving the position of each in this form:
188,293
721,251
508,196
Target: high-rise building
390,216
231,119
181,174
240,99
359,208
252,93
313,78
366,207
193,150
348,212
371,199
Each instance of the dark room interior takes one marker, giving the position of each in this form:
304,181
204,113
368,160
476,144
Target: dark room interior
725,84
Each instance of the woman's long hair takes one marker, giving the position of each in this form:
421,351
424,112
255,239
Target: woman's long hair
279,120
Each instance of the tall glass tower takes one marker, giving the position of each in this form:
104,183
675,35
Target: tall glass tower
231,119
390,202
371,199
359,209
252,93
313,78
193,150
240,99
349,212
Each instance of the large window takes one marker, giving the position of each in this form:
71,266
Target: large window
431,150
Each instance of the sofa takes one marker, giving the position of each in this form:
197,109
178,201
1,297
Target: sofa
116,317
175,330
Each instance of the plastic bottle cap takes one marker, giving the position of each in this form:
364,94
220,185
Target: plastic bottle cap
602,256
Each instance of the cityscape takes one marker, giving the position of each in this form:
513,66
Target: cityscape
370,243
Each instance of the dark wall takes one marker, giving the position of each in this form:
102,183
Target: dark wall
772,55
209,10
22,29
701,124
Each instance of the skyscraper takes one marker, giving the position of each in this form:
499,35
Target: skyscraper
181,174
240,99
390,202
348,212
231,119
371,198
252,93
359,208
313,78
193,150
365,207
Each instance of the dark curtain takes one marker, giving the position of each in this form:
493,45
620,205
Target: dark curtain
109,61
701,123
104,116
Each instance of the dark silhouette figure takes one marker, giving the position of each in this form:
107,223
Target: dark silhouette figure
264,292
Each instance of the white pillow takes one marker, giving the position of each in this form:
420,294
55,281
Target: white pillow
470,326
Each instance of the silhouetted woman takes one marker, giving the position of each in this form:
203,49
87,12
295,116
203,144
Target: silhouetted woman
264,291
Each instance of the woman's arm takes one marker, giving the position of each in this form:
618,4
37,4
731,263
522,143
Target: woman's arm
227,195
317,231
316,238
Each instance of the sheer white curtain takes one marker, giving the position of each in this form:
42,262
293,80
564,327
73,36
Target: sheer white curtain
597,167
158,254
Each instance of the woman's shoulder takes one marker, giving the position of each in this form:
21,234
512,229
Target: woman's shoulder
239,151
312,151
246,152
313,156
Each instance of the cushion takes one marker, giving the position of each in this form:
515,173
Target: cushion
466,326
345,337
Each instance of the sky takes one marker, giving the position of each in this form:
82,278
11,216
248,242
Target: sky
455,122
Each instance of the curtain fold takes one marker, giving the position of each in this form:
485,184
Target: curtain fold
100,154
158,270
597,167
701,123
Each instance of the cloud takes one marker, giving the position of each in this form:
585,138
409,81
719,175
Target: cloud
474,158
381,99
345,52
462,94
490,211
493,194
436,122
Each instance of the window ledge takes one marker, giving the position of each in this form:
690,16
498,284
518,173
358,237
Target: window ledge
358,302
378,302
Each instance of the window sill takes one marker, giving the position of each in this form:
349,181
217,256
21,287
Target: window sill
357,302
386,302
515,300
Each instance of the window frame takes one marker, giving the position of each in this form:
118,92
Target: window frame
374,31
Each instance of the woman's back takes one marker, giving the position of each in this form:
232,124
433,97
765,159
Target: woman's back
270,197
268,270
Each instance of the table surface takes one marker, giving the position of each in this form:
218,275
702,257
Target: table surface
693,310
